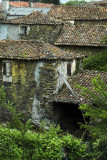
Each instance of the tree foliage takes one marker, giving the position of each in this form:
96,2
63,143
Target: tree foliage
97,110
75,2
56,2
18,141
51,144
96,62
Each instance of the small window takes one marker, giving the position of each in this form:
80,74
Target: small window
6,69
23,30
69,69
7,73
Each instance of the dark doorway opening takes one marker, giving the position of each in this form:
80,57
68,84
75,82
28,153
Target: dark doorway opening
68,116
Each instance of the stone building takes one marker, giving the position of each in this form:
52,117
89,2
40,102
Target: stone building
86,39
66,103
38,77
80,15
32,72
18,9
33,26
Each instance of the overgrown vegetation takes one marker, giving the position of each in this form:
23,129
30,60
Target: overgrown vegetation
97,112
96,62
19,141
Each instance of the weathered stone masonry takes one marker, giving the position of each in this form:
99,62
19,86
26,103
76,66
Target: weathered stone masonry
33,83
47,33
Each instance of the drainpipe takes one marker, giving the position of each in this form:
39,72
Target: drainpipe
5,5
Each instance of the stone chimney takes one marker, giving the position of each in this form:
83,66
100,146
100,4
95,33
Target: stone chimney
31,3
5,5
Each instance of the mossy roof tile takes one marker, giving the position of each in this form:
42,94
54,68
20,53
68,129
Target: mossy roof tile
83,79
89,35
34,18
78,13
33,50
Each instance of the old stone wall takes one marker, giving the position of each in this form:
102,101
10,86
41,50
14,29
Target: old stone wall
3,31
13,32
31,84
51,76
83,50
90,22
47,33
21,89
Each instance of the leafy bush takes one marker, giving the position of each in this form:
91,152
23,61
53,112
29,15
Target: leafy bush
97,110
75,2
100,149
9,148
96,62
48,145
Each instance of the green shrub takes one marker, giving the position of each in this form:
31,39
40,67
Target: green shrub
100,149
96,62
9,148
47,145
18,142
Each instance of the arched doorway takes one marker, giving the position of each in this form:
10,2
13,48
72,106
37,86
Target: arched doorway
68,116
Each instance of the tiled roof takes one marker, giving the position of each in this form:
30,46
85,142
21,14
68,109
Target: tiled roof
83,79
33,18
88,35
19,4
26,4
32,50
21,11
42,5
104,2
78,13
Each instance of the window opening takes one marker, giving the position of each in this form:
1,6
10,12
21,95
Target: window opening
69,69
6,70
23,30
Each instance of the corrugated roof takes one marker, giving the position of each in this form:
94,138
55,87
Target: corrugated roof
83,79
34,18
33,50
78,13
24,11
89,35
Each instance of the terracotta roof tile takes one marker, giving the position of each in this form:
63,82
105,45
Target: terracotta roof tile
42,5
78,13
26,4
19,4
34,18
89,35
32,50
104,2
83,78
